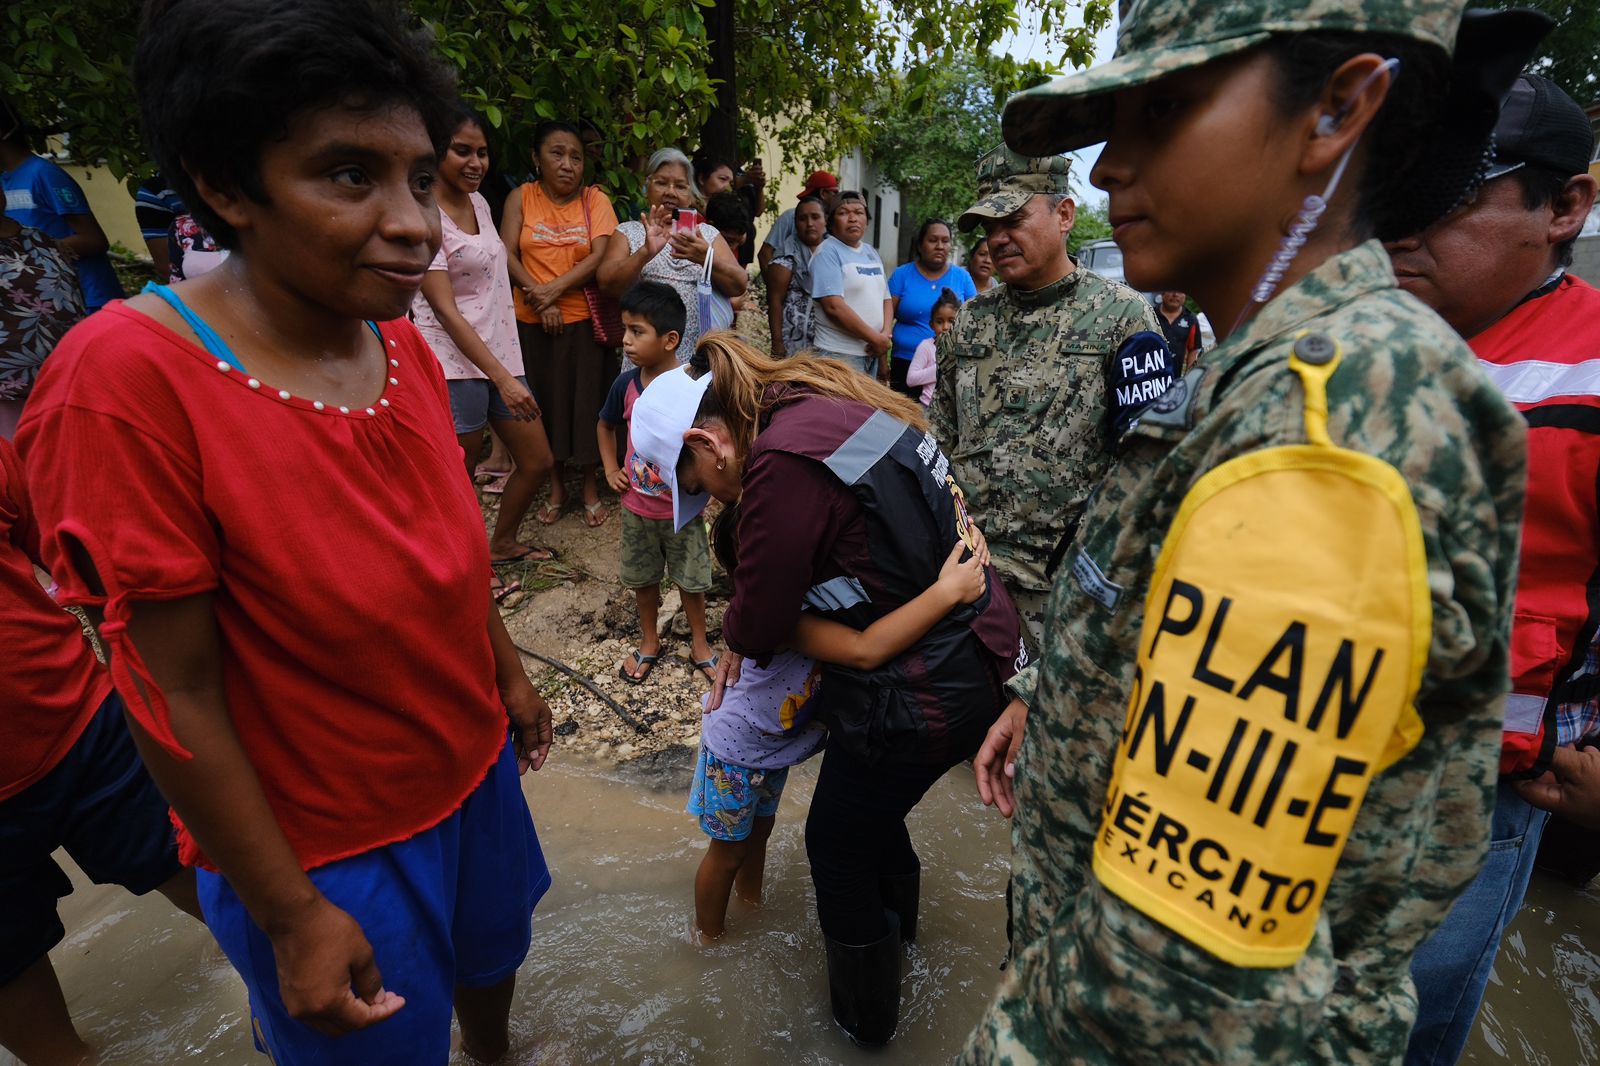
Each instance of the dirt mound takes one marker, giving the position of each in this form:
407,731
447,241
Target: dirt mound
575,611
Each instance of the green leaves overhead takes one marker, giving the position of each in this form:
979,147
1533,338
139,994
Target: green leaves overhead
930,126
810,70
635,68
65,67
1570,56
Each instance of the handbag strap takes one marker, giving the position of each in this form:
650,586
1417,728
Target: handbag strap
705,274
583,198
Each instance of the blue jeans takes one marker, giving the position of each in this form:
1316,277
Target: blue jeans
1451,969
867,364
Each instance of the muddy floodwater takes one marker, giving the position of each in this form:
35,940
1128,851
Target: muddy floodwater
613,978
1543,1005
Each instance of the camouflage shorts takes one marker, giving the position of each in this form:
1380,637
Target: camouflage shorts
651,551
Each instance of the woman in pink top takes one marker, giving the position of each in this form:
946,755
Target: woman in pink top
465,312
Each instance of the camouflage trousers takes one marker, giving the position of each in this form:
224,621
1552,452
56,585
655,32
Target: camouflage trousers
1030,607
652,551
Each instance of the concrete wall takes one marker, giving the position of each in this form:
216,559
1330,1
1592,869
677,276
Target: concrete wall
112,205
784,182
1586,259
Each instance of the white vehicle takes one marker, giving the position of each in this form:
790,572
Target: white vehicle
1102,257
1105,259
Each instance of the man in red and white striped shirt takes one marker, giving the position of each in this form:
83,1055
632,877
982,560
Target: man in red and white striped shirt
1496,270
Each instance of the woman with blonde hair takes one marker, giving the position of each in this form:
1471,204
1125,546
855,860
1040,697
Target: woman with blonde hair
838,473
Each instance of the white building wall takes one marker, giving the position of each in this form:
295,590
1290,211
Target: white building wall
883,202
854,172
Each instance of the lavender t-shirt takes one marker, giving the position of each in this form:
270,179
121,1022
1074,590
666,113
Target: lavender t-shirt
764,722
481,285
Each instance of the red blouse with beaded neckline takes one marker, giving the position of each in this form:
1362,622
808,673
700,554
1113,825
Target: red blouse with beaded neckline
345,549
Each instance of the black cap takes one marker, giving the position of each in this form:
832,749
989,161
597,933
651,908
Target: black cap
1541,126
1492,47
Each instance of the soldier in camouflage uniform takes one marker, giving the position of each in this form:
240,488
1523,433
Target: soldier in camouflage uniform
1096,976
1026,399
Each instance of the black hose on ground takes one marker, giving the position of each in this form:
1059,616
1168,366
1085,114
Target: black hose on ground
621,711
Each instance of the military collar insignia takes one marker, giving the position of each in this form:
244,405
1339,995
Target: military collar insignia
1175,408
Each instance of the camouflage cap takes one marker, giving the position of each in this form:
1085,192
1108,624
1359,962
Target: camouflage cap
1159,37
1007,180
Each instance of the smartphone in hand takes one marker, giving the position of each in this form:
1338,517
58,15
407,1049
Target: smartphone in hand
685,220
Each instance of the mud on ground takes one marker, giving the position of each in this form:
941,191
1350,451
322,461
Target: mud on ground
576,611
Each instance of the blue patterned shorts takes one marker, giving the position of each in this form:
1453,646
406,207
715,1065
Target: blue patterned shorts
728,798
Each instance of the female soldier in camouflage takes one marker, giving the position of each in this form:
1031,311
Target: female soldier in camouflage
1206,869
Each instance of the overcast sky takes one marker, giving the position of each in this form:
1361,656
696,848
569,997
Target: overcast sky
1029,43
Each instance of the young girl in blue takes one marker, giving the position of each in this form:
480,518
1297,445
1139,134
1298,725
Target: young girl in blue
762,725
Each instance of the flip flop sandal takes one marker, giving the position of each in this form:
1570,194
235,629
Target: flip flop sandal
504,591
646,661
532,555
590,510
548,514
497,486
708,667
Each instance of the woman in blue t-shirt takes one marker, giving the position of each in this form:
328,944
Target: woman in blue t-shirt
915,288
42,196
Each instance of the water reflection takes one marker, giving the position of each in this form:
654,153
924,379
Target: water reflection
1542,1007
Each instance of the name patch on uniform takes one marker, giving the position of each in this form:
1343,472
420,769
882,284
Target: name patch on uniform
1093,581
1285,631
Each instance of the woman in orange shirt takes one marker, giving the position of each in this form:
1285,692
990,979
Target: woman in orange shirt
555,228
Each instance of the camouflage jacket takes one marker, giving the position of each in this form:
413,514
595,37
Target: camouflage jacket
1020,408
1093,979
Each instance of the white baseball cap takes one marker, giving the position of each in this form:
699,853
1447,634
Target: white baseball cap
662,414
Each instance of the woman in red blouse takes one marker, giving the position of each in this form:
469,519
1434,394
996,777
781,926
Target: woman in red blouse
254,476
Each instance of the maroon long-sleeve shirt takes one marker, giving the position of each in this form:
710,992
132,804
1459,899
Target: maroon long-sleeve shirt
798,526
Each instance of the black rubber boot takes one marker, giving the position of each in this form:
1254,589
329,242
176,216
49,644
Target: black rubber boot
900,894
864,984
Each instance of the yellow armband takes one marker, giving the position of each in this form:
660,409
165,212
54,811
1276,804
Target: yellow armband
1284,638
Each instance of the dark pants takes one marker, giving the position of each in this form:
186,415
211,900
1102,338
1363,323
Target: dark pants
570,375
98,803
856,833
898,368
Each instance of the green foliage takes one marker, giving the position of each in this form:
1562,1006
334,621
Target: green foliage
1570,56
810,69
814,69
635,68
65,68
930,126
1092,225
